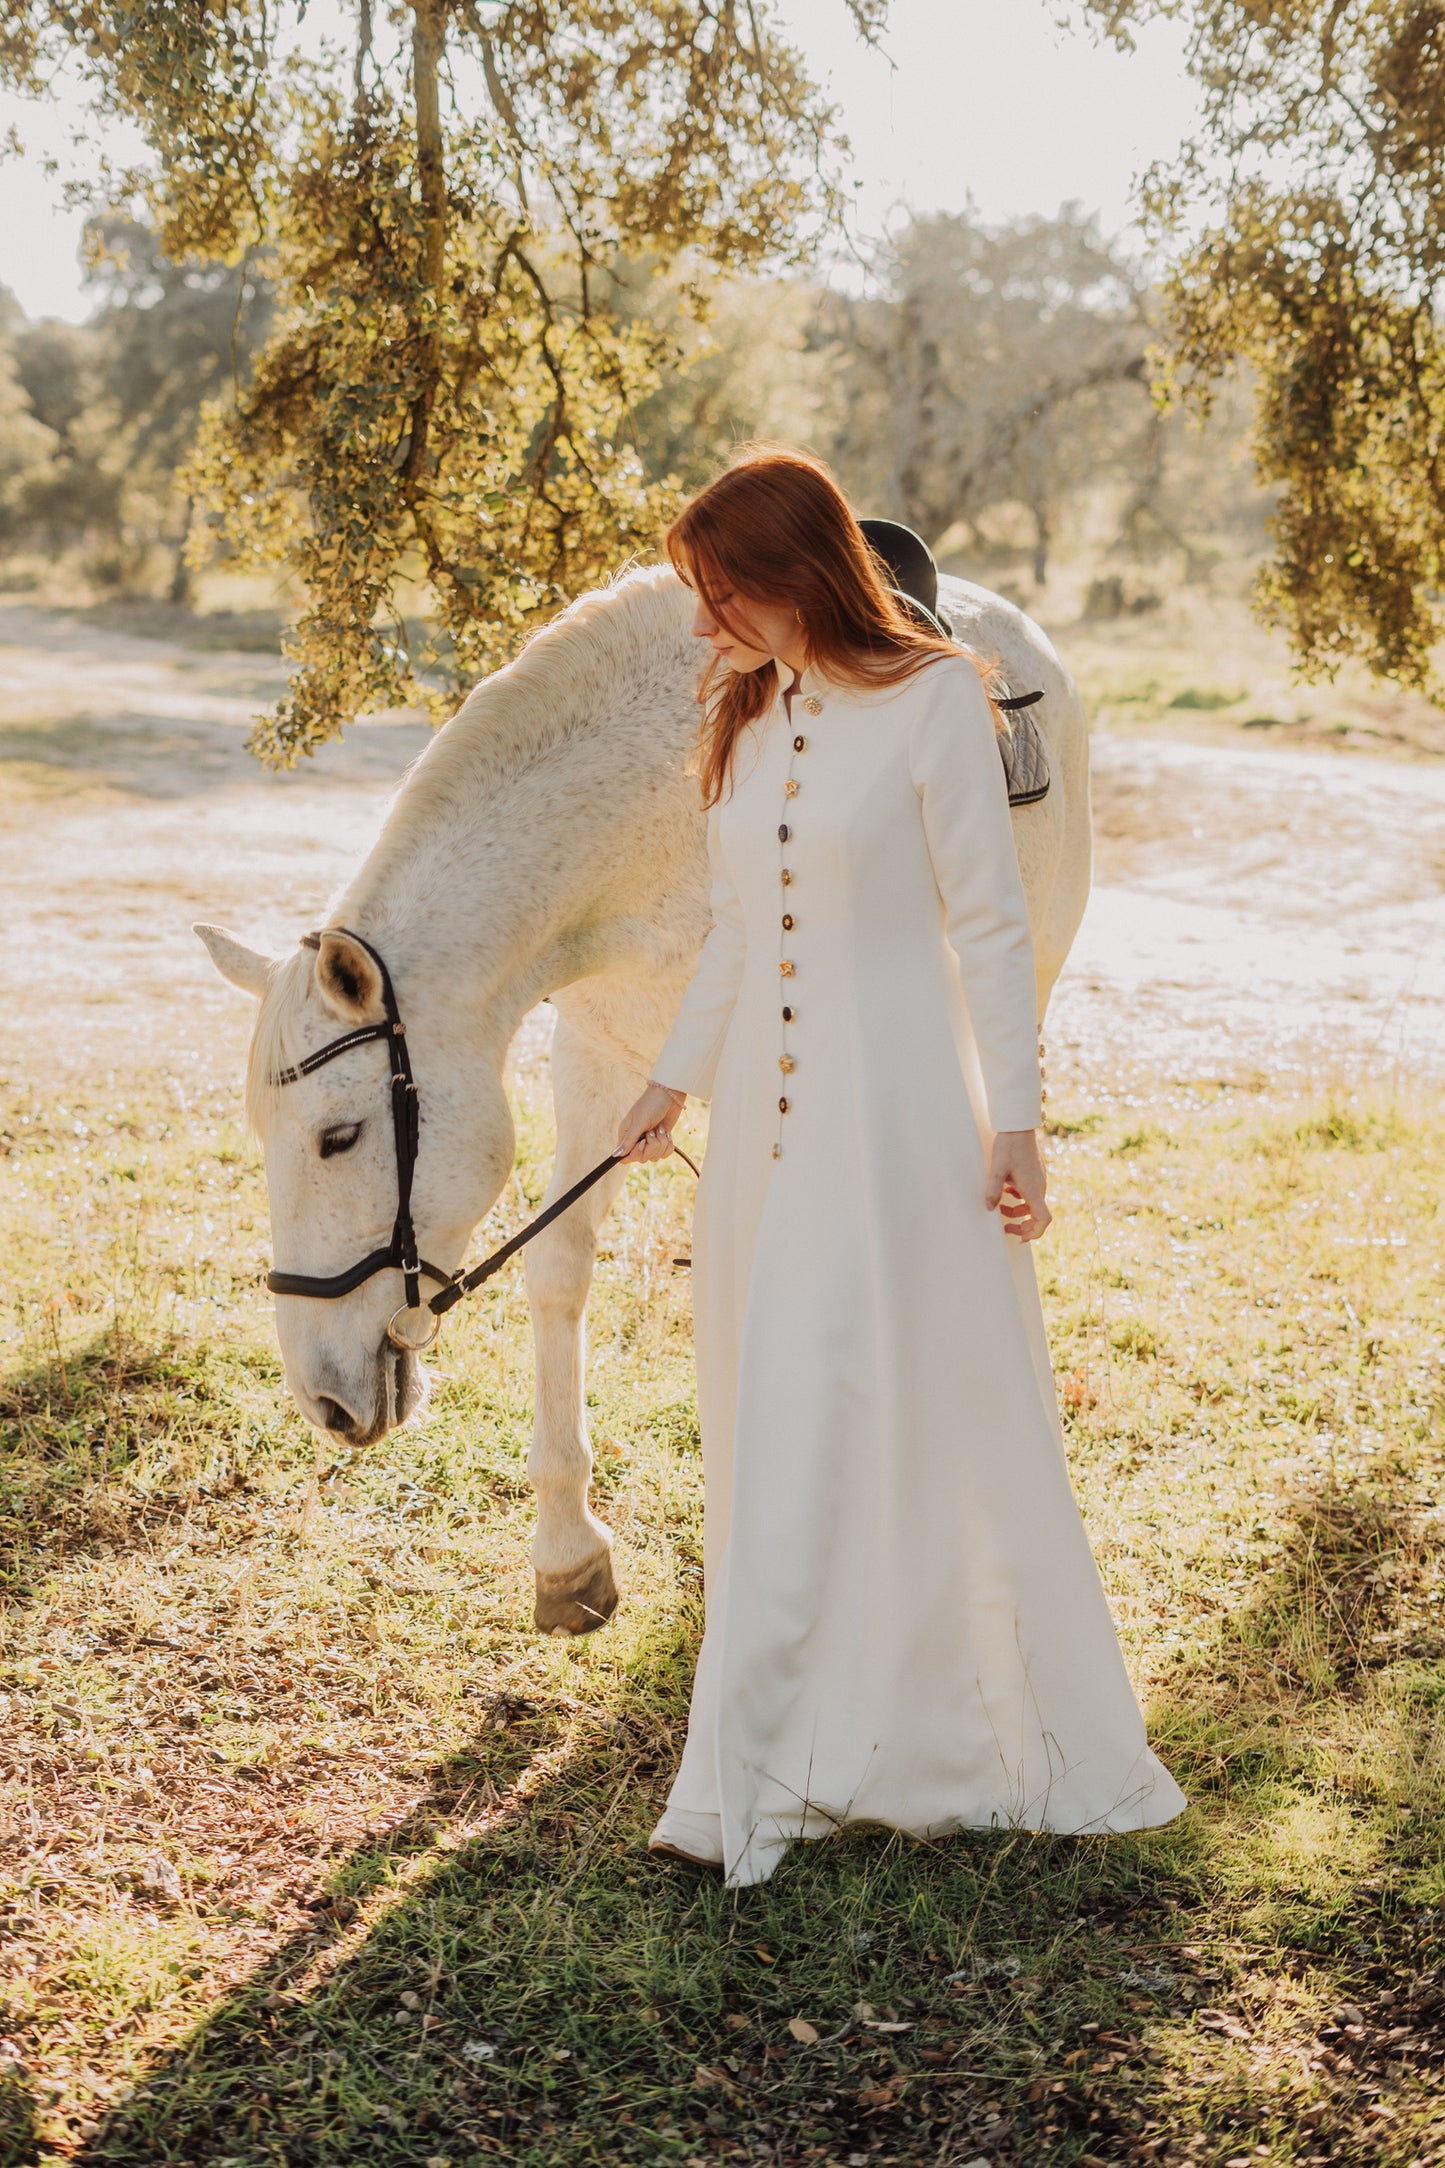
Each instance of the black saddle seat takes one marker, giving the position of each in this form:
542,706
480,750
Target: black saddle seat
912,575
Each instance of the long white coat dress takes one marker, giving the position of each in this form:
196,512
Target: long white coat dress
905,1623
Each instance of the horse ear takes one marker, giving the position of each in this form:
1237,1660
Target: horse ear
348,980
242,966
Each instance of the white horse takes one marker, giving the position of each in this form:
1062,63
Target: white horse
546,843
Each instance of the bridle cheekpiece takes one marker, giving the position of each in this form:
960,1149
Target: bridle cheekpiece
400,1253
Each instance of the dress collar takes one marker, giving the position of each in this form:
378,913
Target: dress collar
812,685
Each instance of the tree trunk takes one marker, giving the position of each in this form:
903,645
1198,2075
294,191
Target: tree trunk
182,591
429,37
1042,539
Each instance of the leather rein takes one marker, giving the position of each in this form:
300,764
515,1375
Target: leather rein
400,1253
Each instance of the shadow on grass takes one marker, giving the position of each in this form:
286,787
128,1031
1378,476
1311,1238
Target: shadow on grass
505,1974
148,754
74,1421
1346,1596
519,1980
19,2127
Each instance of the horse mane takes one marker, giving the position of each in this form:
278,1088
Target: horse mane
557,686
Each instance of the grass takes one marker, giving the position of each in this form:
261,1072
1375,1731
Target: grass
1203,668
314,1852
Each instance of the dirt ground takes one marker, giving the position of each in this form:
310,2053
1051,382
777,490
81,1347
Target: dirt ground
1258,912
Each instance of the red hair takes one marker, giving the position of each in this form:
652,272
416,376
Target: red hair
775,528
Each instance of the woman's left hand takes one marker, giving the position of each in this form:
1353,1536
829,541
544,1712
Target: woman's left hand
1017,1182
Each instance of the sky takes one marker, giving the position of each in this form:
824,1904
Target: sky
977,103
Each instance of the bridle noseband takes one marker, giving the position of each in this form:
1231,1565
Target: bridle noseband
401,1252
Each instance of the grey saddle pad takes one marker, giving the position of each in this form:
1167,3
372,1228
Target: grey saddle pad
1021,742
1025,757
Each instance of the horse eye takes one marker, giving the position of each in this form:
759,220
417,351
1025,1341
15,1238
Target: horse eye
339,1139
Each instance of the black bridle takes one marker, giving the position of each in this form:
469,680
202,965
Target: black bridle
401,1253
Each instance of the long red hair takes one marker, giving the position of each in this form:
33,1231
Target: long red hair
775,528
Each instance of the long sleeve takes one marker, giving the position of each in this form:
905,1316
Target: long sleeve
953,760
689,1056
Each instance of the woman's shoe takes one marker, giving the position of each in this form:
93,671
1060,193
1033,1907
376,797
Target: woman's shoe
695,1838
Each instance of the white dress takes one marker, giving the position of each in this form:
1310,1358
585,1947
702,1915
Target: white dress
905,1623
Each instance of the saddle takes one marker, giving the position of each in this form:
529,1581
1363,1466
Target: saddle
912,578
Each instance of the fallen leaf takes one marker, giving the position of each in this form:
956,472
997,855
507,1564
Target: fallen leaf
1076,1391
803,2031
161,1879
765,1953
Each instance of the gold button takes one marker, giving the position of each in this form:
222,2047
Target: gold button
787,1064
782,1106
777,1151
791,787
787,878
788,920
786,967
800,745
813,705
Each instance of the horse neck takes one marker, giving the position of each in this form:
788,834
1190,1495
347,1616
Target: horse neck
483,901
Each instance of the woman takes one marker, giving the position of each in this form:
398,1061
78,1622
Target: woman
905,1623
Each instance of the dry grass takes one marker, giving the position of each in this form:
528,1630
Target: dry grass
314,1853
1201,666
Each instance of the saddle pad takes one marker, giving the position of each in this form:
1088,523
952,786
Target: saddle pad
1025,757
1020,743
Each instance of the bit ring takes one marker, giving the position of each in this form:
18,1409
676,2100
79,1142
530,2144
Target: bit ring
412,1347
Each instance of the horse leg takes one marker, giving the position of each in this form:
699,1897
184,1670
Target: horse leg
572,1549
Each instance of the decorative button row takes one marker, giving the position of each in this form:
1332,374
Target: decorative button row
786,968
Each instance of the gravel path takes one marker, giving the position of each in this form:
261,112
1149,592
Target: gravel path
1257,913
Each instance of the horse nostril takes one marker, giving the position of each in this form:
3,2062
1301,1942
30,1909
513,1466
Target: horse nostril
336,1418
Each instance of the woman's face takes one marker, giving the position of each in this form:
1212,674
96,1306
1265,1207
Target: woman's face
760,631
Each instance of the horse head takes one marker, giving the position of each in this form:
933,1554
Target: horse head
332,1169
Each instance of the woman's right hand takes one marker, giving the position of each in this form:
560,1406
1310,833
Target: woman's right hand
645,1130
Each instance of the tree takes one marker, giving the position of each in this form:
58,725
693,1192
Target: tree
170,337
1321,171
446,397
118,399
994,365
27,447
743,364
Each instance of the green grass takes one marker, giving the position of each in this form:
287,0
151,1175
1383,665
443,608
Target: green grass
313,1852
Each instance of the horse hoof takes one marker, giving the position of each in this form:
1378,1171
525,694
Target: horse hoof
567,1604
